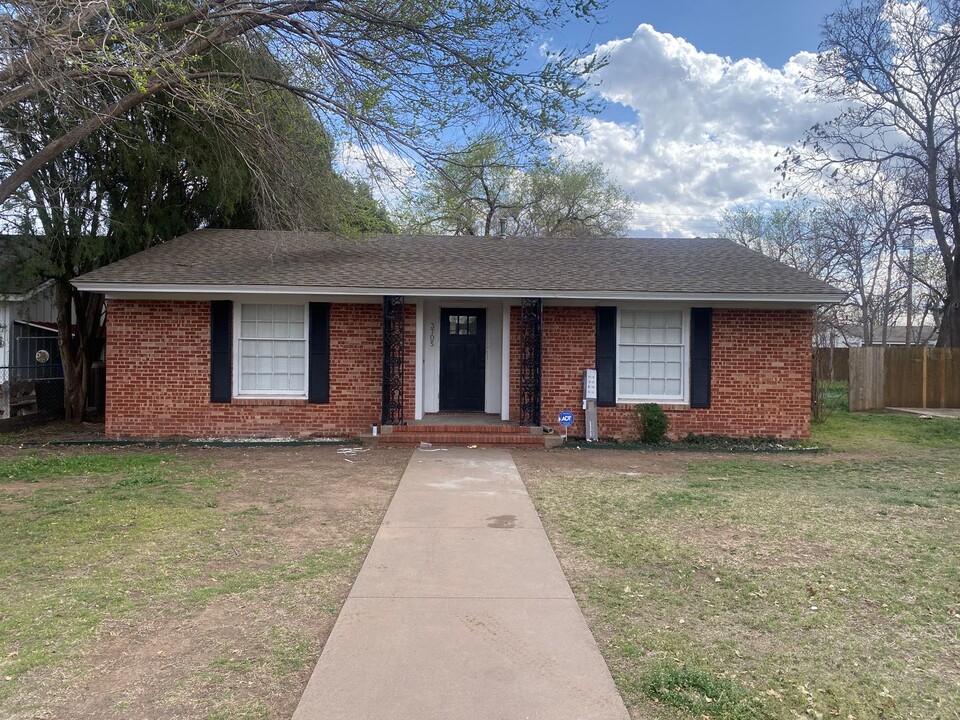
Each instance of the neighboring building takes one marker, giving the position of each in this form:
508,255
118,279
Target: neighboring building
28,310
27,325
28,330
252,333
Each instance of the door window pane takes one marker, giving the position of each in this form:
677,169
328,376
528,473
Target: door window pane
462,325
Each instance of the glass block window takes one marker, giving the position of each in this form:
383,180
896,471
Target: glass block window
651,355
272,350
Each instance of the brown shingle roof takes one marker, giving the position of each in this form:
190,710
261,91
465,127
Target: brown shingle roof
251,258
17,277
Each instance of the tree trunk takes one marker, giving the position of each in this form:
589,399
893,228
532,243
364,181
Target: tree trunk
950,323
886,290
72,370
79,345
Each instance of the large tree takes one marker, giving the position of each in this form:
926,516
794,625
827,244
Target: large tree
105,198
572,199
790,233
488,189
158,174
858,238
400,73
893,69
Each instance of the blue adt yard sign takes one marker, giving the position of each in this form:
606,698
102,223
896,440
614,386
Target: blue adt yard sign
566,418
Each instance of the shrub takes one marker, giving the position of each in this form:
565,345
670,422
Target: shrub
651,423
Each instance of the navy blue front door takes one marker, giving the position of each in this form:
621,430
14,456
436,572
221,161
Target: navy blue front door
463,352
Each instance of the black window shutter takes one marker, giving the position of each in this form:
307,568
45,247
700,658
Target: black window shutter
701,330
221,351
606,356
319,369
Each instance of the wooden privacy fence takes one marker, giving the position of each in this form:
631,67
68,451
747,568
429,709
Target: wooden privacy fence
916,377
865,390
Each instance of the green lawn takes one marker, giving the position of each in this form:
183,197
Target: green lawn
776,586
50,535
213,579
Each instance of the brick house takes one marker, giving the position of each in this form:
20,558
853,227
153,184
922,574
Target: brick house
253,333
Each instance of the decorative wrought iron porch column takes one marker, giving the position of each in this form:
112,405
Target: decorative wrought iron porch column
531,320
392,404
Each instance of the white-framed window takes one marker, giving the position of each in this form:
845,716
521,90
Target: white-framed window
271,350
653,348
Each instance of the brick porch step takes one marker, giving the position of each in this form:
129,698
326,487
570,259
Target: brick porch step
502,435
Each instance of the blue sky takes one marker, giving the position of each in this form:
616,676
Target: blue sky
771,30
701,96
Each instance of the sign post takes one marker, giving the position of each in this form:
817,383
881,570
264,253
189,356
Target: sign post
566,420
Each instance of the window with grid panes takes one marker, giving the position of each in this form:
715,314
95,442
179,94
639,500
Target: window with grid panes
651,355
272,350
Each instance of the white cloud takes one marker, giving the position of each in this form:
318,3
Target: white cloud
390,175
705,132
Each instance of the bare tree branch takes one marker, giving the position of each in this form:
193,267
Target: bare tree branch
893,66
398,74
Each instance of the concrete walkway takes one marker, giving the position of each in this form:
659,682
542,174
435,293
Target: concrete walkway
461,610
929,412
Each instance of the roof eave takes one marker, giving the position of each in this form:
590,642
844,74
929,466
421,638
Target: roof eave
120,290
26,294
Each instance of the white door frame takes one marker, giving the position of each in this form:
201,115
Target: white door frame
497,400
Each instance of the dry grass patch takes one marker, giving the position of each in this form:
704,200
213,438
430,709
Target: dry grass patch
739,587
191,583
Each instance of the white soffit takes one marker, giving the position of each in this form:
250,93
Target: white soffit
133,291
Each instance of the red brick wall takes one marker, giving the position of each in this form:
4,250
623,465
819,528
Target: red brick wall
760,383
158,376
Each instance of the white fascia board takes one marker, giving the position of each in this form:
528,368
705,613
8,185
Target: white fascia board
120,291
38,326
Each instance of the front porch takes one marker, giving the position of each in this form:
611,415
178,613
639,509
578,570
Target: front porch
472,375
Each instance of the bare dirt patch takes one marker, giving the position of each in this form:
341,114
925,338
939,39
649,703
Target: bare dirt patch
258,597
643,462
58,430
735,545
604,462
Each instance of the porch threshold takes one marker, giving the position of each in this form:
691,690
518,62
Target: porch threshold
463,419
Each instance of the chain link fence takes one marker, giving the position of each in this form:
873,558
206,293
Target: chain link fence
32,385
29,390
